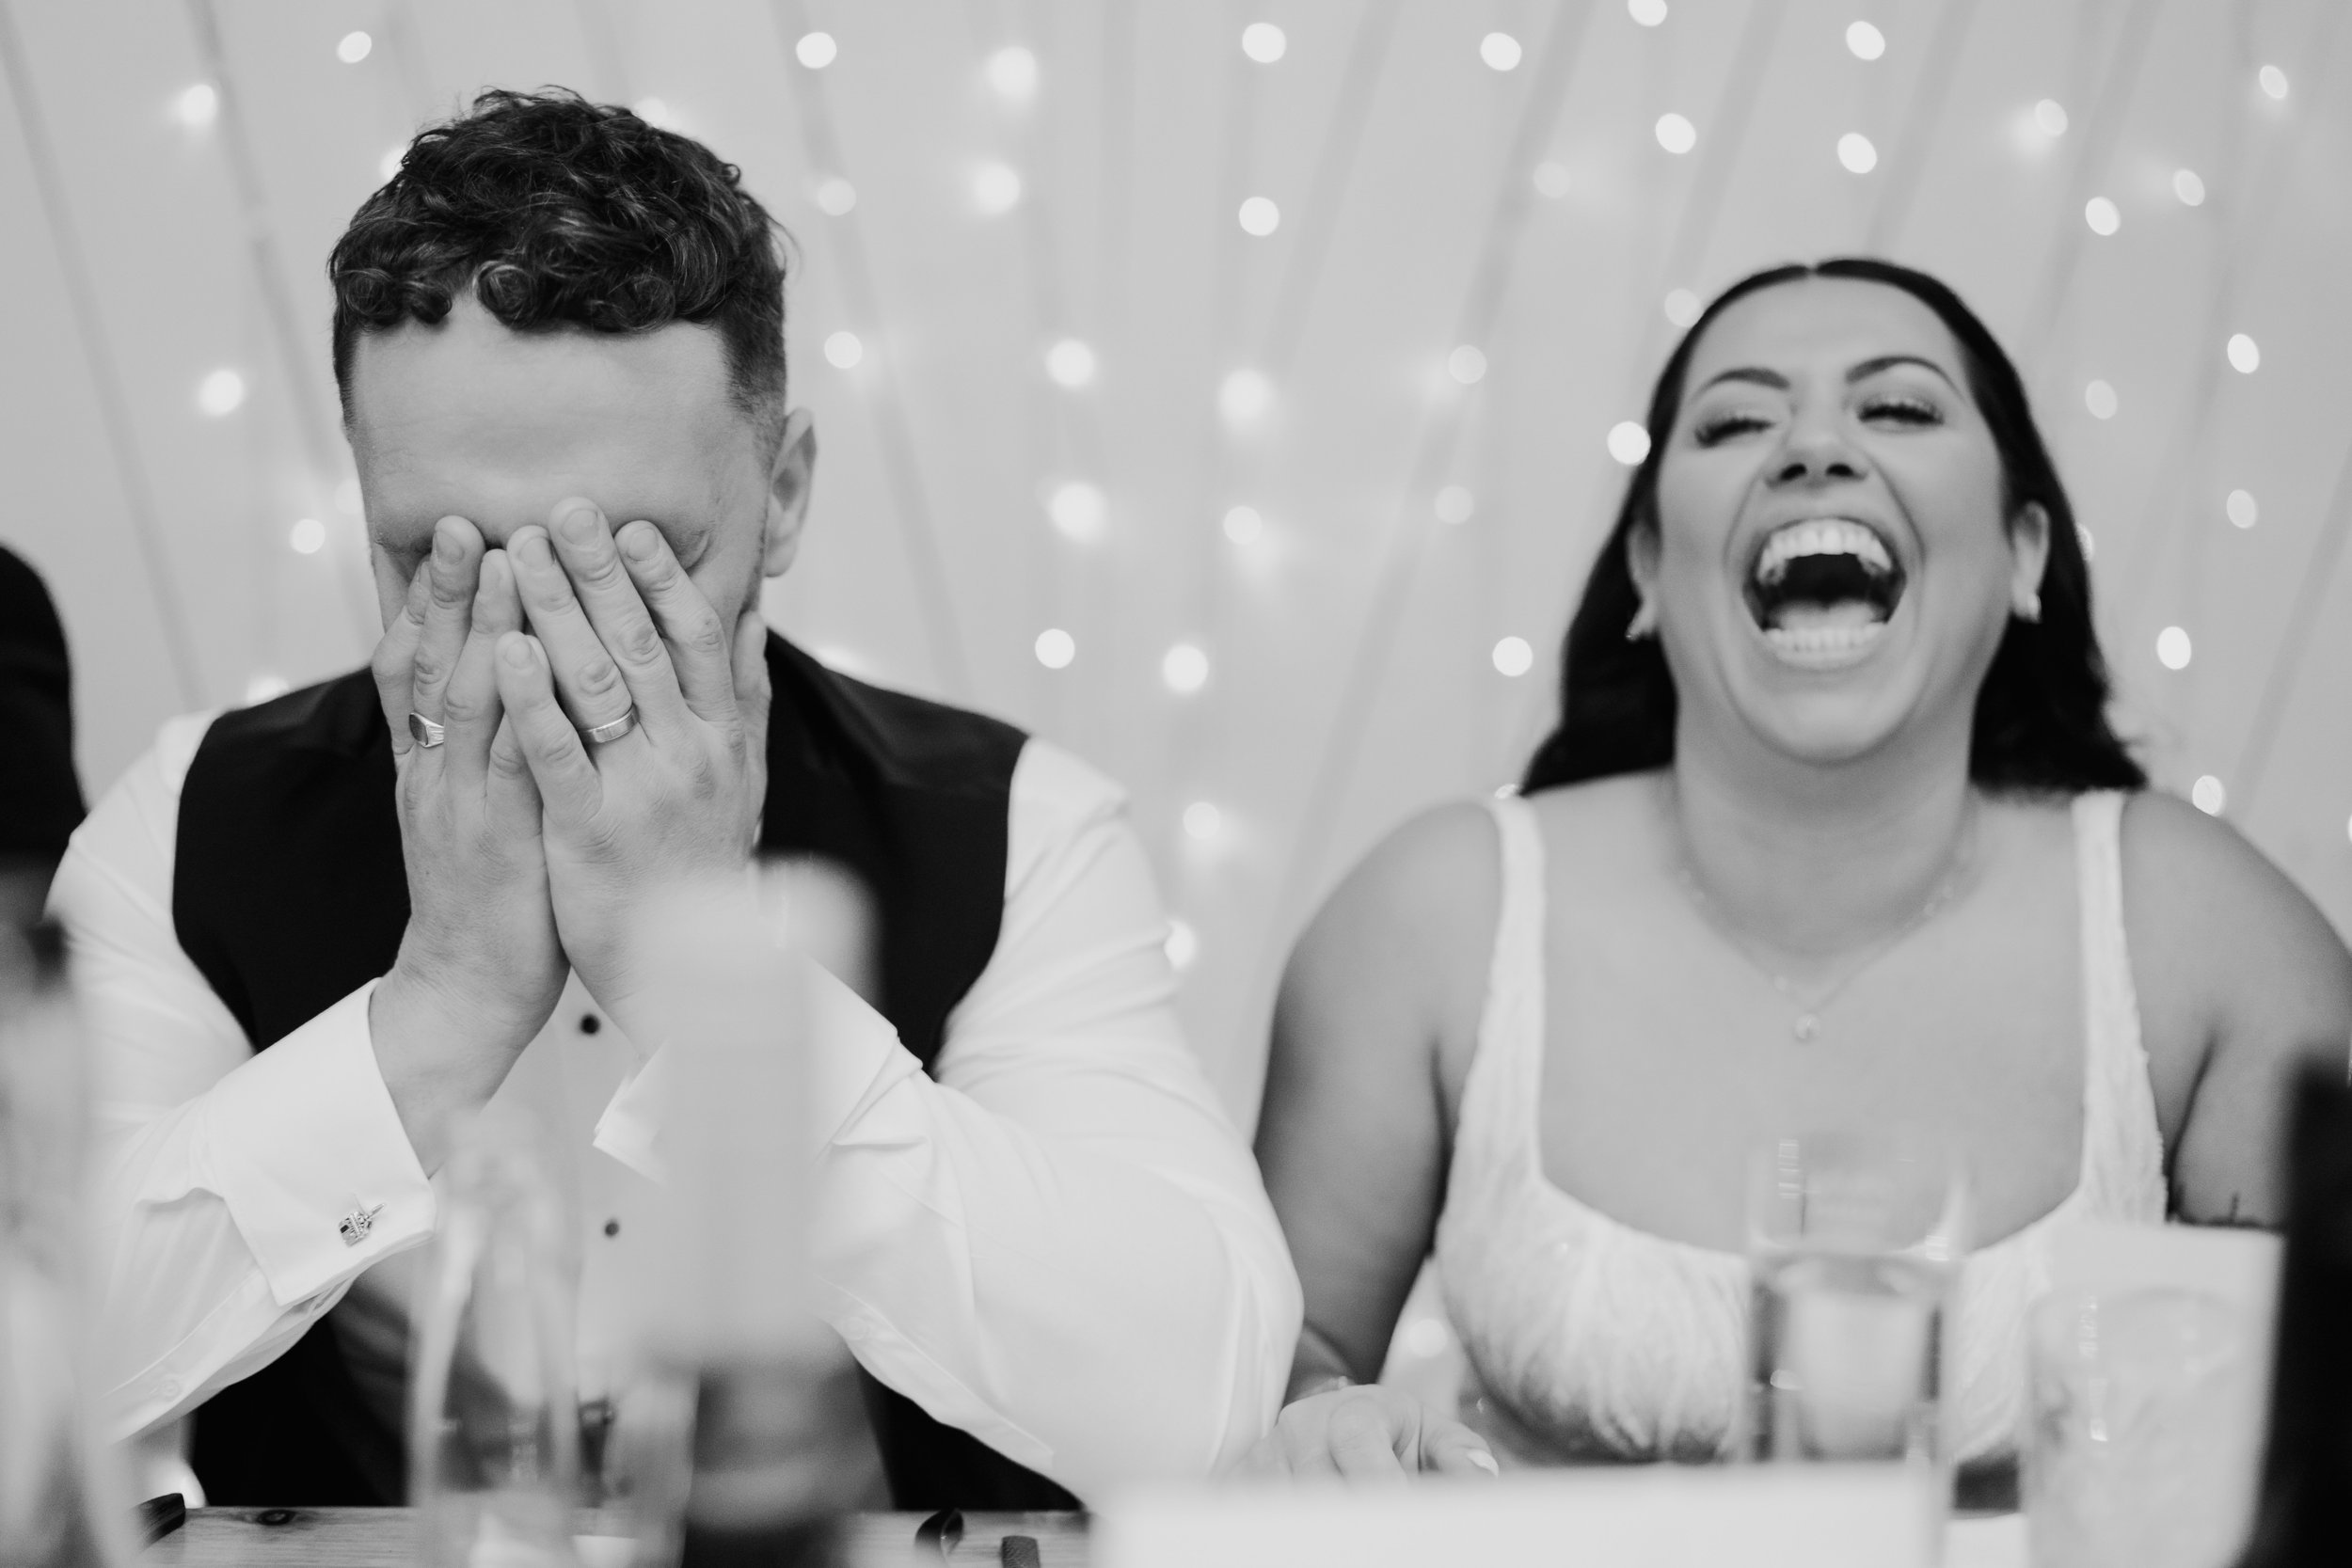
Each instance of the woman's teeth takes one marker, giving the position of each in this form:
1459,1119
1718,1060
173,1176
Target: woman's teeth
1823,536
1824,645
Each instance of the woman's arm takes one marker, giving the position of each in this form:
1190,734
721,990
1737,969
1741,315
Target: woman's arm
2241,981
1378,1014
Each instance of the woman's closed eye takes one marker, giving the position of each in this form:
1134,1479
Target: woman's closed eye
1901,408
1718,428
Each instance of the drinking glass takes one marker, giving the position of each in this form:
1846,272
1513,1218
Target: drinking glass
1854,1241
494,1423
2146,1404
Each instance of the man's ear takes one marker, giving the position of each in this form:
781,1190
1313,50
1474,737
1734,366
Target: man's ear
788,483
2029,556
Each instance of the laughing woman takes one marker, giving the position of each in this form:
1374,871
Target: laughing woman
1833,832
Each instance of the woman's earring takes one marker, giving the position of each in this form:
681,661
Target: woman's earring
1644,623
2029,607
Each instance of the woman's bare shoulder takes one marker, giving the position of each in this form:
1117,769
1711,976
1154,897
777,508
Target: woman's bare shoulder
2221,938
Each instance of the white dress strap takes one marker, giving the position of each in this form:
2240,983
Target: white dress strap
1496,1128
2122,1153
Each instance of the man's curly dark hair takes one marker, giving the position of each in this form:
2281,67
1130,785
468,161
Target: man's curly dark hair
560,212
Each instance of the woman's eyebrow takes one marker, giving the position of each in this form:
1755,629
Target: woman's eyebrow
1755,374
1870,368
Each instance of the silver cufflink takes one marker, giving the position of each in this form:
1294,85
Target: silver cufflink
357,1224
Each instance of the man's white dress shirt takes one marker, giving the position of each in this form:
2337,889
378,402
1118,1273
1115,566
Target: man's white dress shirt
1059,1243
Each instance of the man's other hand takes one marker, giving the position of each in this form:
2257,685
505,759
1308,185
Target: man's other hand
1366,1435
480,966
620,629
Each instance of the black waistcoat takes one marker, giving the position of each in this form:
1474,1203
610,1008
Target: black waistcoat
289,894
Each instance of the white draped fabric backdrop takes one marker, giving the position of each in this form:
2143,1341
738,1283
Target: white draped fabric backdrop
1077,280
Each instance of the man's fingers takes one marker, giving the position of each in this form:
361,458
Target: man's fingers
394,662
1363,1444
700,651
451,574
512,793
621,618
1450,1449
593,691
470,706
567,783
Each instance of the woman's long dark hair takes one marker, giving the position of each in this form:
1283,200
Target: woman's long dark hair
2042,713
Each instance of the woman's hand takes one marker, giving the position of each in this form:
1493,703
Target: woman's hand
1367,1434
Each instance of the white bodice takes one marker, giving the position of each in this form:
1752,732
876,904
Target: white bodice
1592,1339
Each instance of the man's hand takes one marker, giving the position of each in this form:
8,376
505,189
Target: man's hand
480,968
619,627
1366,1435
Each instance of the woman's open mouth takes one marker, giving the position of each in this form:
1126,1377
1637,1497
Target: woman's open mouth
1823,590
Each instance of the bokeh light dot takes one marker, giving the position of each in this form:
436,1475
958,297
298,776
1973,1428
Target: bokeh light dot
1258,216
655,112
1263,42
2050,114
2274,82
1244,395
2173,650
196,107
307,536
389,165
2208,795
1184,944
1681,306
2099,399
221,392
995,188
1078,509
1055,648
842,350
1866,41
1649,13
816,50
1501,51
1184,669
1013,72
2240,509
835,196
1202,820
1552,179
1466,364
2103,215
1070,362
1514,657
1243,525
1455,504
1628,443
2246,355
352,47
1855,151
1675,134
262,686
2189,188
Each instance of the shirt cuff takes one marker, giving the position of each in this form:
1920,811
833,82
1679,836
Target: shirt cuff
854,1060
304,1145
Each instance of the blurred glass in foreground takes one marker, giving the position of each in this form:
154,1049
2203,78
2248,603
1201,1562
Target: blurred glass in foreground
1854,1241
2144,1407
61,1502
494,1424
781,1448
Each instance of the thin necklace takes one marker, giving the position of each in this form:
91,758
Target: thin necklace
1806,1024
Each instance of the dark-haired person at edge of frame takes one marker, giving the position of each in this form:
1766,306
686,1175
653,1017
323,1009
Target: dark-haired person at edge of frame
1832,834
314,934
41,799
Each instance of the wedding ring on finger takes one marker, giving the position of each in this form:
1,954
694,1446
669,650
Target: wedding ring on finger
604,735
426,733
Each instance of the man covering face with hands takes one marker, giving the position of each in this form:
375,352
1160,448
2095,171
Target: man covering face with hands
313,936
